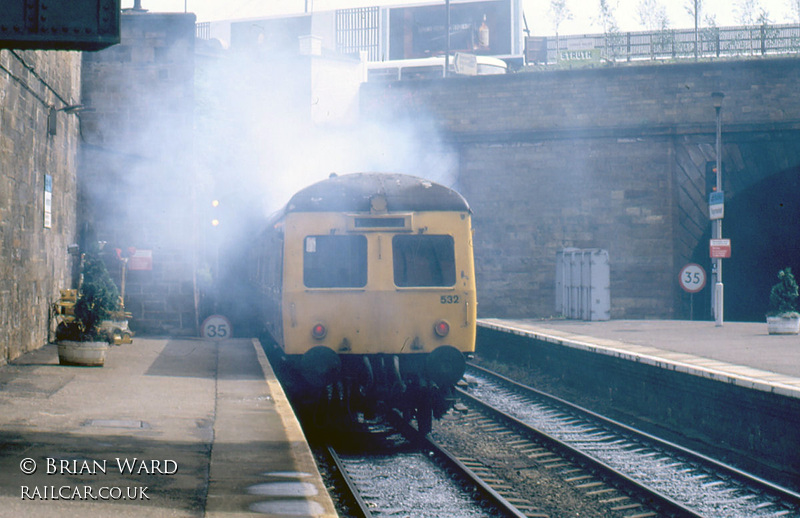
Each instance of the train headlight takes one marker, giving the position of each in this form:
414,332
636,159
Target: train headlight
319,331
441,328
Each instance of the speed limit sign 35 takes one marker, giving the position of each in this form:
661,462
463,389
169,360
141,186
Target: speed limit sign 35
692,278
216,327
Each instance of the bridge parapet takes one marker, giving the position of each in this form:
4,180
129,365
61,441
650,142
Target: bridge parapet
621,101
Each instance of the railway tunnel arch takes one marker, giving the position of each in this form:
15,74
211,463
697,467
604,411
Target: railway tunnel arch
763,223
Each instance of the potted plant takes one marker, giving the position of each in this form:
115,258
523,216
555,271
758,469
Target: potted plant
81,338
783,317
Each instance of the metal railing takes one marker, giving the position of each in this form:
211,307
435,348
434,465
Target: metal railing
358,30
709,42
202,31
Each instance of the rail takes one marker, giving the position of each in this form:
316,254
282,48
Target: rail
708,42
394,469
669,474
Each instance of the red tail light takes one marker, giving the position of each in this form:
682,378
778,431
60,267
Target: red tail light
441,328
319,331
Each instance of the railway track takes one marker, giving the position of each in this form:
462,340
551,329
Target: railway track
509,450
397,472
629,472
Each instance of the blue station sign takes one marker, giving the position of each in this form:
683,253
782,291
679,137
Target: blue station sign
716,205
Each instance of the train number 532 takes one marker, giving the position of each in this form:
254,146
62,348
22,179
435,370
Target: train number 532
449,299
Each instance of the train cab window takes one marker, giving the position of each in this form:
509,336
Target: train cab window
423,260
335,261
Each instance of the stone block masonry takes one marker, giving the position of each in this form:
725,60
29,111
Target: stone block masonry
137,163
35,156
612,158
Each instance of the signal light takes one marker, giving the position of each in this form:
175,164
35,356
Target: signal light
711,177
441,328
214,221
319,331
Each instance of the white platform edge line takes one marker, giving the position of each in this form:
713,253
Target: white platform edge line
686,368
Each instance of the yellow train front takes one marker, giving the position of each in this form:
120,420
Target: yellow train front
370,290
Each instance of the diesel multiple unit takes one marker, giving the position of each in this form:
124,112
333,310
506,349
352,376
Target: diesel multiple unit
367,286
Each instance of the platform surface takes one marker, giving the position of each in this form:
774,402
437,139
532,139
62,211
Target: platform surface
167,428
742,353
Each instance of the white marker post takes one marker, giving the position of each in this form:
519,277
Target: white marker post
693,280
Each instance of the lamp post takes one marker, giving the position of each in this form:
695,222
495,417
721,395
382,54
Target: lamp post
447,39
716,231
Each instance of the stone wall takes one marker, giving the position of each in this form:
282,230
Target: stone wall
34,263
611,158
524,216
138,167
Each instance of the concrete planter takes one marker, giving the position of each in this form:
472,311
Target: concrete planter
783,325
89,354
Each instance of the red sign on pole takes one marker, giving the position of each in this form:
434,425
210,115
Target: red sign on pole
720,248
141,260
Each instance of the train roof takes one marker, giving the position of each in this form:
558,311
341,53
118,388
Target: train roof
353,193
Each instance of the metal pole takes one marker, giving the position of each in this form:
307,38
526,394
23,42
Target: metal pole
696,33
719,289
447,40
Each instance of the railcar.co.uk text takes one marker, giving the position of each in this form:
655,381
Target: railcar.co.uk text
86,467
